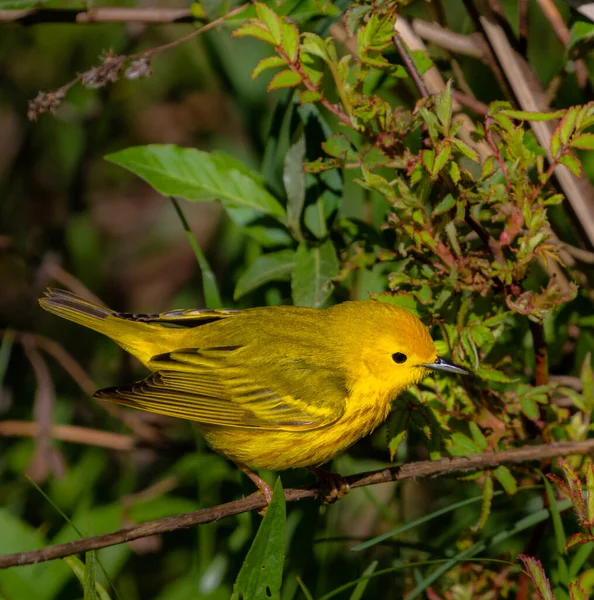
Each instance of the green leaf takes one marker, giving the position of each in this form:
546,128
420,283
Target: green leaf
486,504
422,61
490,374
443,107
268,63
315,45
538,577
199,176
581,37
92,592
271,21
290,41
255,29
572,163
441,158
285,79
529,407
585,141
506,479
533,116
314,269
294,182
364,581
261,574
462,445
477,436
465,149
275,266
576,592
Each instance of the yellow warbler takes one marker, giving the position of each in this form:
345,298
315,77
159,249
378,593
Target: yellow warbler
273,387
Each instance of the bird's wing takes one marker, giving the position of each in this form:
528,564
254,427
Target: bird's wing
219,386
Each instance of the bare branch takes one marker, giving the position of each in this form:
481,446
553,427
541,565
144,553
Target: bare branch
111,14
256,501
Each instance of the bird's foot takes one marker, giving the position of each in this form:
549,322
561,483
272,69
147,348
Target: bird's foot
333,486
264,488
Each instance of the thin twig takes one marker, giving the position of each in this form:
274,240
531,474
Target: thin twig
256,501
70,433
450,40
104,14
410,66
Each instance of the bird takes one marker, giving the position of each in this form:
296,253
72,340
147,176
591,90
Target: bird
273,387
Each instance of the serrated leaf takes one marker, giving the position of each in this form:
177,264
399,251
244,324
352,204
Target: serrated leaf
261,573
275,266
465,149
268,63
314,269
337,145
486,504
577,539
533,116
290,42
462,445
395,443
576,592
567,124
454,171
428,159
315,45
254,29
285,79
584,141
308,96
572,163
443,107
199,176
271,21
555,142
441,158
538,577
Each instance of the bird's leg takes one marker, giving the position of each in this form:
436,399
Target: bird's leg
333,486
264,488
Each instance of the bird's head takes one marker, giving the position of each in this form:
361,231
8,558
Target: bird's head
393,348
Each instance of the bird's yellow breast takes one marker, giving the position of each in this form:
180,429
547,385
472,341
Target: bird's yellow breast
277,450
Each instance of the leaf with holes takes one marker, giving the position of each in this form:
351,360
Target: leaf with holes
261,574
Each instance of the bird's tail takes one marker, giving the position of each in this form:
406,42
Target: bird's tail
77,309
138,338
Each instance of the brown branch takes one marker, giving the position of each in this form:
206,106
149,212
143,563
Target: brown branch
410,66
111,14
112,65
256,501
541,356
450,40
69,433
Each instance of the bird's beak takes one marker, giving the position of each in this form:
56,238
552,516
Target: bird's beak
441,365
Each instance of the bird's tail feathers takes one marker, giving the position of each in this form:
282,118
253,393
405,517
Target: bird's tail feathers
74,308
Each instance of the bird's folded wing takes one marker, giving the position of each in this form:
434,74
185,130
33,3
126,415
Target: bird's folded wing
207,386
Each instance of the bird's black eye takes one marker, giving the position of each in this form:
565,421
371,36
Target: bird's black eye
399,358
